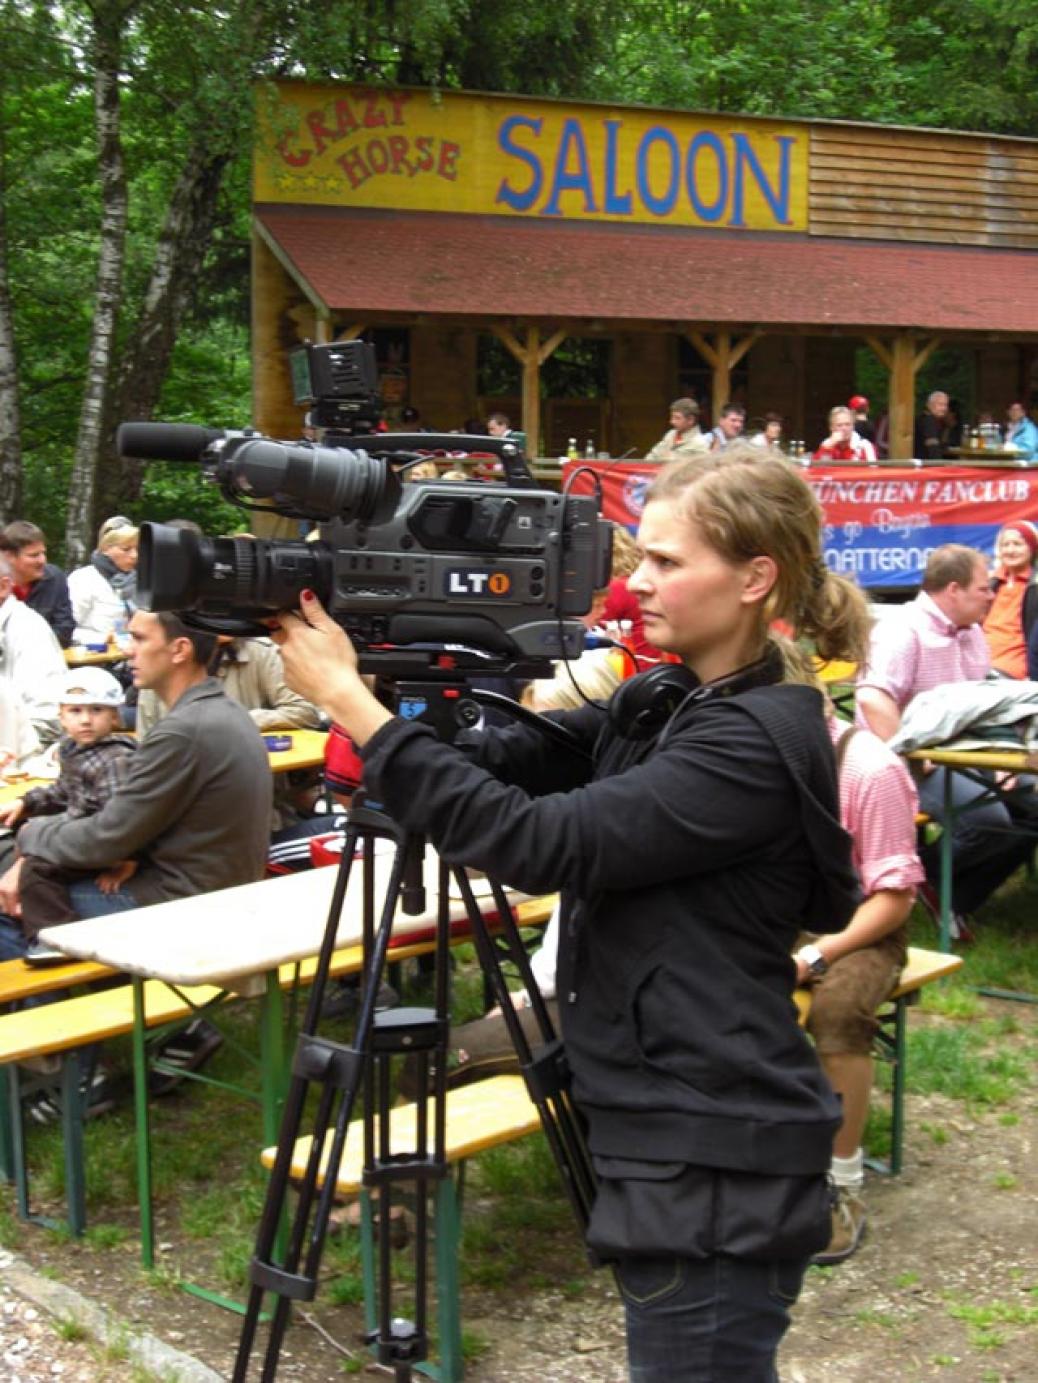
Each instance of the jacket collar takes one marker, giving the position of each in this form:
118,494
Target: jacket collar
209,686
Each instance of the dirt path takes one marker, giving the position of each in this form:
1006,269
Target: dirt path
946,1286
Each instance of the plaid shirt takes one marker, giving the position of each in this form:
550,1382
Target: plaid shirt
878,803
90,775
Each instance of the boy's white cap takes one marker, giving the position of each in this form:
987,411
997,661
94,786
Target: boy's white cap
91,686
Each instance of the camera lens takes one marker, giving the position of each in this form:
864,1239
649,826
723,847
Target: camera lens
325,482
244,577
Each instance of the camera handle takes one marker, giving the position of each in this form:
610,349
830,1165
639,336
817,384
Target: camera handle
337,1071
424,444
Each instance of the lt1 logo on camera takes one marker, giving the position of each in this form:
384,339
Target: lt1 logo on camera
478,582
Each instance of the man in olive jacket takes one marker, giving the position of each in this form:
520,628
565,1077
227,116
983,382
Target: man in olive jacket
194,811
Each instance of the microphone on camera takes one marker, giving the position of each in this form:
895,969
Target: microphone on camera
166,441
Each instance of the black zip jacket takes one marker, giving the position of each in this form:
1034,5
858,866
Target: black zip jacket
687,872
49,597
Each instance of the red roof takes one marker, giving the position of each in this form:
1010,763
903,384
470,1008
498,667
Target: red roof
460,265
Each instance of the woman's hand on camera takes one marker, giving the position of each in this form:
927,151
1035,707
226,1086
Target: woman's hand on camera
321,664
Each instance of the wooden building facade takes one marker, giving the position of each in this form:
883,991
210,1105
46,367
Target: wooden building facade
731,257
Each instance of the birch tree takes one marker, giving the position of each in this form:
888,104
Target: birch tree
107,21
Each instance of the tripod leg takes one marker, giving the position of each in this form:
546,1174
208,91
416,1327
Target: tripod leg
337,1069
544,1069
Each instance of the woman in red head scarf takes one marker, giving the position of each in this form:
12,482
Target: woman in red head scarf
1014,613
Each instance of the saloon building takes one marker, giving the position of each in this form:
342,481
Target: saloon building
578,266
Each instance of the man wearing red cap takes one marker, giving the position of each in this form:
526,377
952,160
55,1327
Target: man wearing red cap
859,406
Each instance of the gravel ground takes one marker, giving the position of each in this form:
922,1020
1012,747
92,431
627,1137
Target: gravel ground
39,1342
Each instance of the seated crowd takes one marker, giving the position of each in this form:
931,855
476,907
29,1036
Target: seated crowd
130,821
134,820
939,433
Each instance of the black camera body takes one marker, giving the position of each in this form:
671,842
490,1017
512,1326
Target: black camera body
503,570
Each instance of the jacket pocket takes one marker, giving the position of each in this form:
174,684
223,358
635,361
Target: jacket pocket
693,1037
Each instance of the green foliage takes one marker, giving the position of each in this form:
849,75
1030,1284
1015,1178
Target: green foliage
186,97
69,1329
473,1345
959,1062
961,64
983,1315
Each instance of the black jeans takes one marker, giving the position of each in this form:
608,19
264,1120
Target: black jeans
706,1320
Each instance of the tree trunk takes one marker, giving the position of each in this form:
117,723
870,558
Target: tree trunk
178,261
10,416
82,508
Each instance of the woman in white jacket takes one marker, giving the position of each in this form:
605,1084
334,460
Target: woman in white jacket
103,591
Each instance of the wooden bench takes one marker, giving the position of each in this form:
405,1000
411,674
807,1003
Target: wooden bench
20,982
498,1110
484,1114
64,1027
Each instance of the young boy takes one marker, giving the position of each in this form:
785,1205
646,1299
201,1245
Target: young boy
93,760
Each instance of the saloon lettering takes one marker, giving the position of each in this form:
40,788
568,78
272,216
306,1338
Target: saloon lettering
377,154
658,172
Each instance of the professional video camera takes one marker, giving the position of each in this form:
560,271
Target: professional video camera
504,569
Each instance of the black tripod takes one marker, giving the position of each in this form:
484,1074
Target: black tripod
337,1071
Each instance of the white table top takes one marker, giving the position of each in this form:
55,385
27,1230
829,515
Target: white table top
247,930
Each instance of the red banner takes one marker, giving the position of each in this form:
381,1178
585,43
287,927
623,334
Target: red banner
881,523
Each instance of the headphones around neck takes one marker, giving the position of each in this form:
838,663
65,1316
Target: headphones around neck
644,705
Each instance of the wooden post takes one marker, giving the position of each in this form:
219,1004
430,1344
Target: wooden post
905,360
881,351
722,356
902,396
531,356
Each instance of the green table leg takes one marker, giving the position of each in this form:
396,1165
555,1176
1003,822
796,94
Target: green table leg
947,863
6,1135
272,1058
897,1121
21,1172
448,1286
73,1109
143,1127
273,1081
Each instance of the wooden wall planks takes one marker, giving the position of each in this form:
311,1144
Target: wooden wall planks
936,186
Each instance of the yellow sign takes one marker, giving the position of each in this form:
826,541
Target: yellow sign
511,156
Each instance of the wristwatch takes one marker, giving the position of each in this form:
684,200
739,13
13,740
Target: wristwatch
813,959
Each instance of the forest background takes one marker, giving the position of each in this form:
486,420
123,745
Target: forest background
126,141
